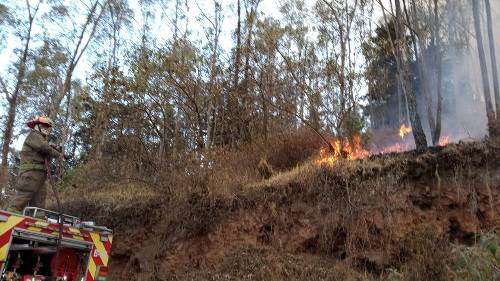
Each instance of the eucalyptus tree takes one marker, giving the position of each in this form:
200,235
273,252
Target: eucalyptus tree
341,28
110,51
401,50
212,30
422,20
301,62
13,87
490,112
77,35
493,58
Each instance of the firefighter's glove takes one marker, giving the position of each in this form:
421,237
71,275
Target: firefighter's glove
56,147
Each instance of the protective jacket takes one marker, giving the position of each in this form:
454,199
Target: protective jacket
31,188
34,152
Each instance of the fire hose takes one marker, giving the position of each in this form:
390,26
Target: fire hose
59,207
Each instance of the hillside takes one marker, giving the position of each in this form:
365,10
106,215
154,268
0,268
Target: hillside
407,216
259,139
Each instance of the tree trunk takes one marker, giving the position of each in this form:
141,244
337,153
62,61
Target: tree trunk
76,56
417,130
422,65
425,89
484,70
232,129
246,99
437,61
11,117
4,173
494,69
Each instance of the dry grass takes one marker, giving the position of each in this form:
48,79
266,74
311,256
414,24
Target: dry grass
250,263
425,255
316,219
114,205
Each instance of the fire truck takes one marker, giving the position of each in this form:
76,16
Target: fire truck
33,247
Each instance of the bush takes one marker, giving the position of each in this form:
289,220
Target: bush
480,262
293,148
427,255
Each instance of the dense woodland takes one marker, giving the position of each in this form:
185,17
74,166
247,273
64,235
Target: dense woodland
143,87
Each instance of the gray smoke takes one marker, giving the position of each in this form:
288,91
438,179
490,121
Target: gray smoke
463,108
464,114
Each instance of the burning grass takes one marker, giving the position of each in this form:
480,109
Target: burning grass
404,130
349,150
355,149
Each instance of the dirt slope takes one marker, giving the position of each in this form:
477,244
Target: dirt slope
357,220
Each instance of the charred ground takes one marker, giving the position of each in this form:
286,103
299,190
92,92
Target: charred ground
408,216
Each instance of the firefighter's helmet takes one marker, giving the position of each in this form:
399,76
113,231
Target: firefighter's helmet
40,120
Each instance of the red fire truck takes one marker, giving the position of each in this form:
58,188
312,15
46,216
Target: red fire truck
32,248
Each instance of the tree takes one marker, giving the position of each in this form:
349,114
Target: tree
83,38
212,33
340,23
424,27
386,104
496,88
401,51
436,45
490,113
13,96
116,17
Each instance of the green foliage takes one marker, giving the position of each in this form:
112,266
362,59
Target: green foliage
69,177
43,76
352,125
381,64
429,253
480,262
4,20
4,13
59,11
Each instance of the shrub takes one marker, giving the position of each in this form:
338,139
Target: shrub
427,255
480,262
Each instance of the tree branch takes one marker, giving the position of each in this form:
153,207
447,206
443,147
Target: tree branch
203,14
303,87
91,35
4,89
405,23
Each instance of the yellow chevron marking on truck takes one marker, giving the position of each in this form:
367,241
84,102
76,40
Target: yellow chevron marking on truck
4,227
4,250
96,238
10,223
33,228
92,267
78,237
41,224
74,231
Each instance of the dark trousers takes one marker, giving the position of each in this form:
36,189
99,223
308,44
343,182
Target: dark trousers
31,190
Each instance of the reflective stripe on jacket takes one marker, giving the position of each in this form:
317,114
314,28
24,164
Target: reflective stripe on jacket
32,167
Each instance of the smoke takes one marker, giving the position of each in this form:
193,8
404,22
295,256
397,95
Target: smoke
463,108
464,113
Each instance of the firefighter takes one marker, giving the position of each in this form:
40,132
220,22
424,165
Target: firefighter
35,154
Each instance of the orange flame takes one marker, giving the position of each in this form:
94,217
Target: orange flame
343,149
404,130
444,140
351,150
